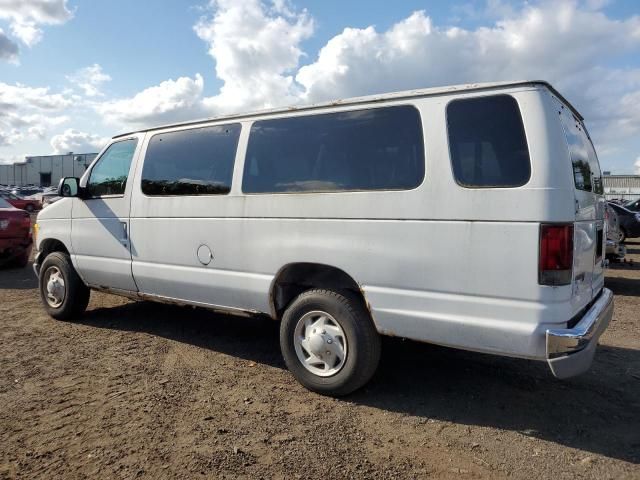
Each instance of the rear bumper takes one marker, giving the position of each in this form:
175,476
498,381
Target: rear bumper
570,351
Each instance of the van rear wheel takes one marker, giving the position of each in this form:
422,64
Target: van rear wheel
329,342
62,291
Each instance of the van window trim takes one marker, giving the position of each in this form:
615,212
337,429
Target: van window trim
486,187
129,175
334,192
182,128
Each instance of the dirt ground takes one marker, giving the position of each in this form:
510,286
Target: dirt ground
137,389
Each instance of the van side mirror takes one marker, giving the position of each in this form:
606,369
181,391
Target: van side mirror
68,187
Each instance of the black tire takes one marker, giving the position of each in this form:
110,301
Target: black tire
76,297
363,341
29,208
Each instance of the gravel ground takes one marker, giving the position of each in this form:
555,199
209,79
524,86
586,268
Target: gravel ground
137,389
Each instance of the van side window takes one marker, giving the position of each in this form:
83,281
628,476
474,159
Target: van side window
109,175
374,149
198,161
487,142
586,169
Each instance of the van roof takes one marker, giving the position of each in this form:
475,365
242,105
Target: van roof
422,92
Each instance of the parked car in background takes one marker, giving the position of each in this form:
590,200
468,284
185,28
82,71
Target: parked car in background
27,190
634,205
48,199
614,250
629,222
15,235
28,204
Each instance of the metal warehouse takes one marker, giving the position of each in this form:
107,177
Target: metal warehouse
626,187
45,170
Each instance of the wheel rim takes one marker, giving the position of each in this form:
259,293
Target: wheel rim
55,288
320,343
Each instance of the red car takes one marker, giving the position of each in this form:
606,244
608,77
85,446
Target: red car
22,203
15,235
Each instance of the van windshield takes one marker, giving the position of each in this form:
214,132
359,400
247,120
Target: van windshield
586,168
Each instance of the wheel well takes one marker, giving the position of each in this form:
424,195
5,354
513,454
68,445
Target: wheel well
295,278
51,245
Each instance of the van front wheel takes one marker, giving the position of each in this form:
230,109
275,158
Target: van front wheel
329,342
62,291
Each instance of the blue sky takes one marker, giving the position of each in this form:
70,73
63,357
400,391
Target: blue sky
83,70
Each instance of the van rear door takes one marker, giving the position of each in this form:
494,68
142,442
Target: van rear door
589,234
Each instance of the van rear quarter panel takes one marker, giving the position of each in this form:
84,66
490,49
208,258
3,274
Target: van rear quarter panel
440,263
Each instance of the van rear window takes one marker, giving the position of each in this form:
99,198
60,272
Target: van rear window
487,142
374,149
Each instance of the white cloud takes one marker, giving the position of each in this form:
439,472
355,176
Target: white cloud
75,141
257,52
636,166
15,128
90,80
169,101
256,49
415,53
7,138
18,95
9,159
28,32
41,11
8,48
27,15
27,113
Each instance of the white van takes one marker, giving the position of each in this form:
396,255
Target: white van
468,216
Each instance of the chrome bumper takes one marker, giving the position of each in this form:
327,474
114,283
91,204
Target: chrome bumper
570,351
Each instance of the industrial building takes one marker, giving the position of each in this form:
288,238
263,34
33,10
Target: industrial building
45,170
626,187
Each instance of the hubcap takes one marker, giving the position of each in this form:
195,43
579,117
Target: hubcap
320,343
56,290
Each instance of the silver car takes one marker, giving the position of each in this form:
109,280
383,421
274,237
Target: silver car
615,250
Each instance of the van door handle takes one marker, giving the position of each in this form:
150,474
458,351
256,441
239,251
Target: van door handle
125,237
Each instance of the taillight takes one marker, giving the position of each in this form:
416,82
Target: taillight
556,254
